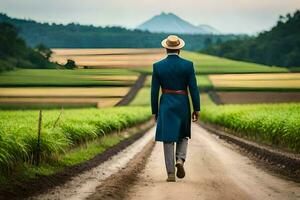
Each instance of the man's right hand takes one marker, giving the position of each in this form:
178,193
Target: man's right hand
195,116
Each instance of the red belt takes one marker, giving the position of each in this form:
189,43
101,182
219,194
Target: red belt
174,91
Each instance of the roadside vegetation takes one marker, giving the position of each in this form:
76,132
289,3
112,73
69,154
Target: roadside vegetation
61,131
273,124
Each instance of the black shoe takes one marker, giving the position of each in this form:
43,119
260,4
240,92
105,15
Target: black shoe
180,169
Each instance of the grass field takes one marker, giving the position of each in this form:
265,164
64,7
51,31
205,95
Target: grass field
274,124
142,98
206,64
80,77
74,126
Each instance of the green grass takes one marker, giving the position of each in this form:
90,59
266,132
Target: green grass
274,124
79,154
18,131
59,77
204,82
142,98
206,64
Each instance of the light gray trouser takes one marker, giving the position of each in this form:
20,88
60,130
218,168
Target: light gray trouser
181,147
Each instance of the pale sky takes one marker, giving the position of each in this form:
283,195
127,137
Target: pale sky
228,16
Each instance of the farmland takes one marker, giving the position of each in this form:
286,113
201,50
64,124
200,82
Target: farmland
275,124
59,134
206,64
64,78
103,86
247,97
71,136
280,81
109,58
61,96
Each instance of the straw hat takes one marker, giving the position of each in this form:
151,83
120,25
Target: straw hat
173,42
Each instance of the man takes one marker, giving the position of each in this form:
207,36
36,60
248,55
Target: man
174,76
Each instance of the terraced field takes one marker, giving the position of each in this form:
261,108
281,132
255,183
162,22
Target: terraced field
68,88
109,58
278,81
64,78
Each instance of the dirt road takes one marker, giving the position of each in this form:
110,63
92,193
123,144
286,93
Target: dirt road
215,170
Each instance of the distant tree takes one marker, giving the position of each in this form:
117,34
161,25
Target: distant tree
87,36
219,41
45,51
10,43
70,64
207,42
278,47
14,53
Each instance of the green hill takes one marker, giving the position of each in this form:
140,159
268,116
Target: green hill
280,46
83,36
14,53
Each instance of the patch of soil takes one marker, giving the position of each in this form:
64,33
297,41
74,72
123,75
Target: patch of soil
21,190
116,186
257,97
284,163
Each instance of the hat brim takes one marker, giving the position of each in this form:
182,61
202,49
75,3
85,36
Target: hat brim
165,45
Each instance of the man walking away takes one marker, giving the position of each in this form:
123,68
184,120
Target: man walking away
175,76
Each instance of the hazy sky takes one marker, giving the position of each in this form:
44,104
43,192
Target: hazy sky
228,16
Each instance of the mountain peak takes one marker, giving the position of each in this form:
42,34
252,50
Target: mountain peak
171,23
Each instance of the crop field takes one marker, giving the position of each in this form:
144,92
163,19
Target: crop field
80,77
68,88
64,92
109,58
207,64
59,134
256,81
274,124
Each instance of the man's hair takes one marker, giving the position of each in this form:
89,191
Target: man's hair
173,51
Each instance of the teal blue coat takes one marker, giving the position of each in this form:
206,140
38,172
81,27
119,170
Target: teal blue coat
173,110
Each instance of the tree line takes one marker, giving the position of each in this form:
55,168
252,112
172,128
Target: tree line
87,36
14,53
278,47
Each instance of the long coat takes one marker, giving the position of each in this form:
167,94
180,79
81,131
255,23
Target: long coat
173,110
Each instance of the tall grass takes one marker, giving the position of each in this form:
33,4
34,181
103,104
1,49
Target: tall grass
18,130
275,124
